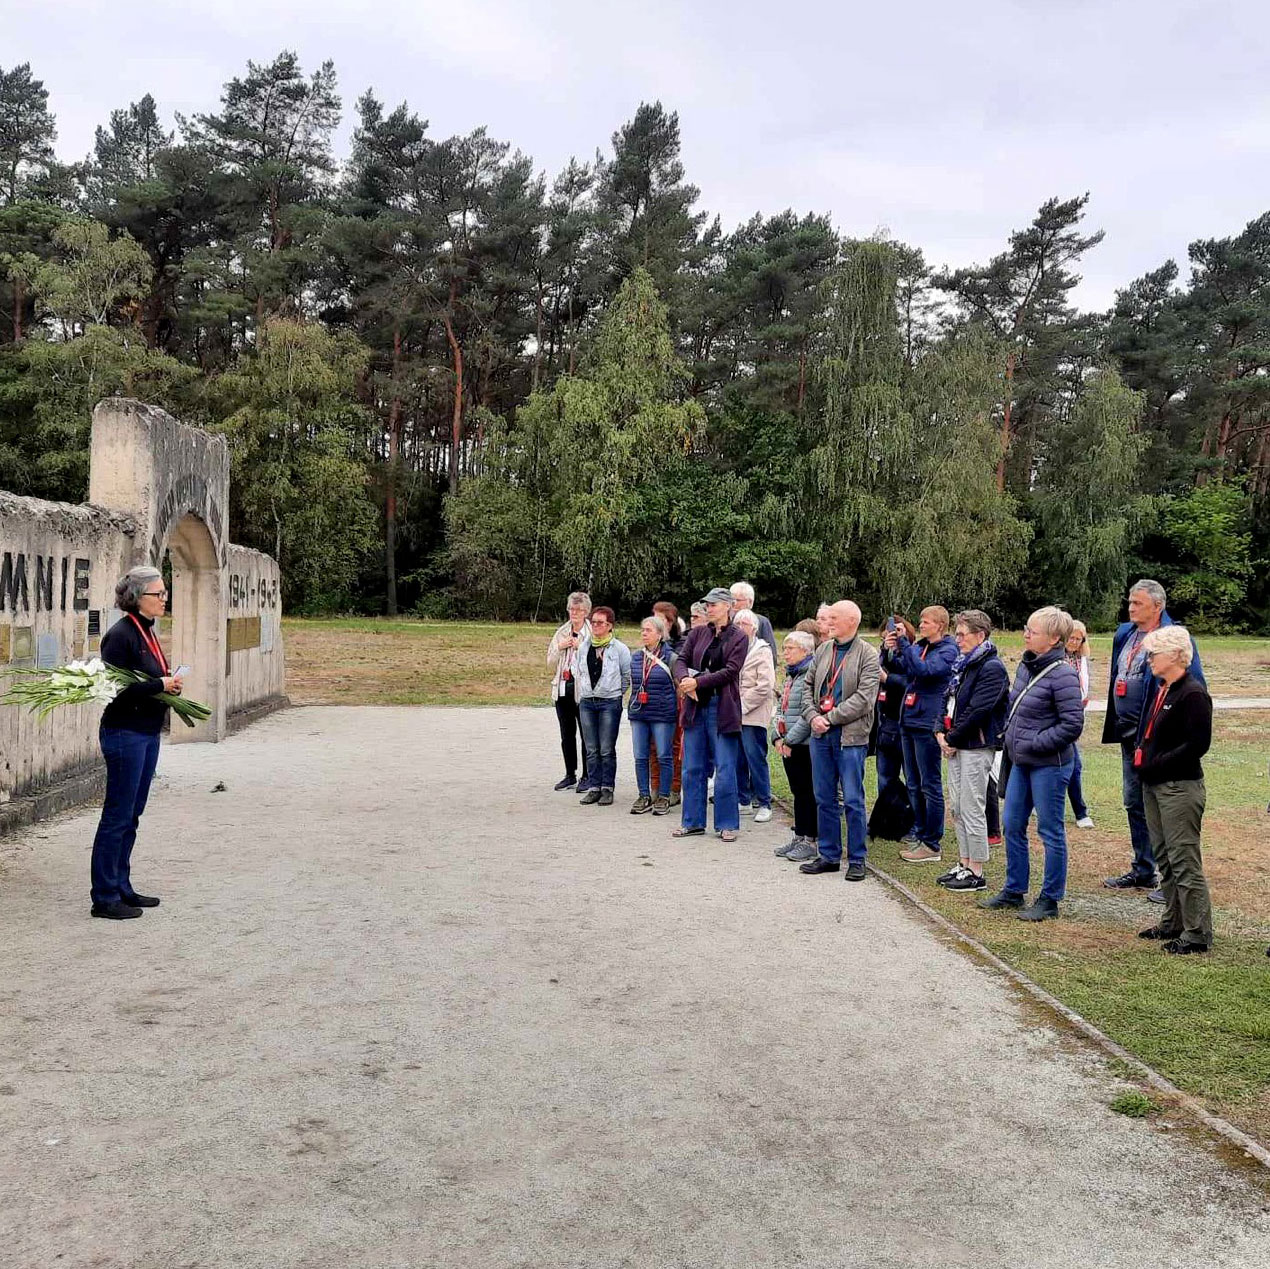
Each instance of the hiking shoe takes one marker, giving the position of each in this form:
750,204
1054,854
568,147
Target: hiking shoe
1130,881
1040,910
661,806
922,854
1178,948
762,815
855,870
641,805
967,880
567,783
1002,899
606,797
804,851
589,798
1084,822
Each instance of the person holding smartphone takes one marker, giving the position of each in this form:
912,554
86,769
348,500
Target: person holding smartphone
130,727
562,660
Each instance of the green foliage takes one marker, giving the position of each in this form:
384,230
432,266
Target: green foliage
1133,1105
1210,564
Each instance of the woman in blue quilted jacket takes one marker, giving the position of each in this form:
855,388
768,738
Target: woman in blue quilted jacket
653,709
1045,718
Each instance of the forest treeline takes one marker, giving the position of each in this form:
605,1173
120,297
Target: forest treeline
454,385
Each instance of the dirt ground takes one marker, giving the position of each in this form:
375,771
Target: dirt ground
403,1005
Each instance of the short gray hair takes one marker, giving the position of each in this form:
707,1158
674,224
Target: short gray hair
1056,623
578,597
975,620
746,617
1152,590
657,623
742,590
129,587
801,639
698,609
1171,639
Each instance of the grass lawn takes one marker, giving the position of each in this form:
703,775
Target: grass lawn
1204,1022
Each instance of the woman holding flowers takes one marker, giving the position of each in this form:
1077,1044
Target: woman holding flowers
130,727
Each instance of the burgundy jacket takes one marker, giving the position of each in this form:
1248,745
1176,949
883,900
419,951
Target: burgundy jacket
725,683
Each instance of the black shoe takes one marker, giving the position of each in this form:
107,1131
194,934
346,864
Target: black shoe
1002,899
606,797
589,798
567,783
140,901
855,870
1040,910
1130,881
115,911
1156,932
945,877
819,864
967,880
1178,948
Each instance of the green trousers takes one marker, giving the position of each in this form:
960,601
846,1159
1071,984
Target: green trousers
1174,811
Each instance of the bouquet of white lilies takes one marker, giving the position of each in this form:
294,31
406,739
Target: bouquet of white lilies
82,682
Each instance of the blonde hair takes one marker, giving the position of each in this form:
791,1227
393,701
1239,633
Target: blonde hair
1171,639
1054,622
939,612
1079,627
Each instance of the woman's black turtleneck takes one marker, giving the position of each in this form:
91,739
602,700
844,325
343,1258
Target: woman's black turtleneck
135,708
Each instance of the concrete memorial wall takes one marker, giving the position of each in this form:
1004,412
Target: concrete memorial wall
155,487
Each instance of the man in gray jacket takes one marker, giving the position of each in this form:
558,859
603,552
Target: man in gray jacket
838,705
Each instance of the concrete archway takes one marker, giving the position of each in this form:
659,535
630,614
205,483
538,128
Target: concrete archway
197,622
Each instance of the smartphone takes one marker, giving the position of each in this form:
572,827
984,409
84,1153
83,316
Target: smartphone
890,625
180,672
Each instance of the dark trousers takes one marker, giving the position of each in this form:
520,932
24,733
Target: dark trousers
1143,867
798,773
131,757
890,762
1174,811
925,776
1075,794
567,717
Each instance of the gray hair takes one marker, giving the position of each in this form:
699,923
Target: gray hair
1171,639
698,609
746,617
975,620
742,590
1152,590
657,623
578,597
1056,623
129,587
801,639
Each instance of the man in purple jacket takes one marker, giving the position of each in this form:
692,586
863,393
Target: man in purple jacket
708,678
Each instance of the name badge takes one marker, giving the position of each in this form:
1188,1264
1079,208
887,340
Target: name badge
643,698
911,699
948,722
826,704
1122,688
567,675
1137,757
882,696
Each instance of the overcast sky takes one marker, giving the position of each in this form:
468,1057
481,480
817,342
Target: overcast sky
947,125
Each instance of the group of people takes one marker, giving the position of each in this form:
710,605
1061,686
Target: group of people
935,706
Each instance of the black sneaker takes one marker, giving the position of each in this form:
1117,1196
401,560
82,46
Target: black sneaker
1178,948
606,797
1130,881
567,783
589,798
1003,899
967,880
951,875
1156,933
855,870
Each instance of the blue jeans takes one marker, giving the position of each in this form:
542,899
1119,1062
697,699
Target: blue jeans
131,757
1075,794
924,774
600,719
663,736
1045,789
703,744
758,782
834,764
1131,793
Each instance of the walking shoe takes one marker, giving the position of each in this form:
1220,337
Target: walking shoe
1156,896
661,806
967,881
567,783
140,901
641,805
922,854
781,851
1130,881
762,815
1178,948
1002,899
804,851
1084,822
817,865
855,870
1157,932
606,797
1040,910
955,871
998,840
675,797
589,798
910,839
115,911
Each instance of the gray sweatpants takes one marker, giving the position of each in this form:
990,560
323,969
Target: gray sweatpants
968,774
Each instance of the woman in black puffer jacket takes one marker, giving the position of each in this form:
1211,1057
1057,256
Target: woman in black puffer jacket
1045,718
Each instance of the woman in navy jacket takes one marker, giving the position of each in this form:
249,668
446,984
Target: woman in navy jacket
927,664
653,709
1044,721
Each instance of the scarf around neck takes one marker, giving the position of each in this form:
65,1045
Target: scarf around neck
965,660
597,642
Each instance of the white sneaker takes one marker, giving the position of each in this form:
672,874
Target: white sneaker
1084,822
762,815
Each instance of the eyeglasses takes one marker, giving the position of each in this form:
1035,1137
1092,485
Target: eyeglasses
155,594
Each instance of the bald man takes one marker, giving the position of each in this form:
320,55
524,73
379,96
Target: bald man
839,707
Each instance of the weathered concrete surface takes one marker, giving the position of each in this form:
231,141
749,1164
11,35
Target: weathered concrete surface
404,1006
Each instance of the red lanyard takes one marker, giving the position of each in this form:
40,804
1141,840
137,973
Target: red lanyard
151,642
1155,710
834,677
646,668
789,687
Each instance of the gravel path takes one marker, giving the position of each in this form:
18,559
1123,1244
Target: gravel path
403,1007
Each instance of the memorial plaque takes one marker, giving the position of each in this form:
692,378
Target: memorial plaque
23,644
6,638
48,652
242,633
94,645
94,621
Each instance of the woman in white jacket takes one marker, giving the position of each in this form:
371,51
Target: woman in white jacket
1077,655
562,661
758,696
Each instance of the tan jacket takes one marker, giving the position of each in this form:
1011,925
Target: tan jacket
859,681
758,685
560,659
